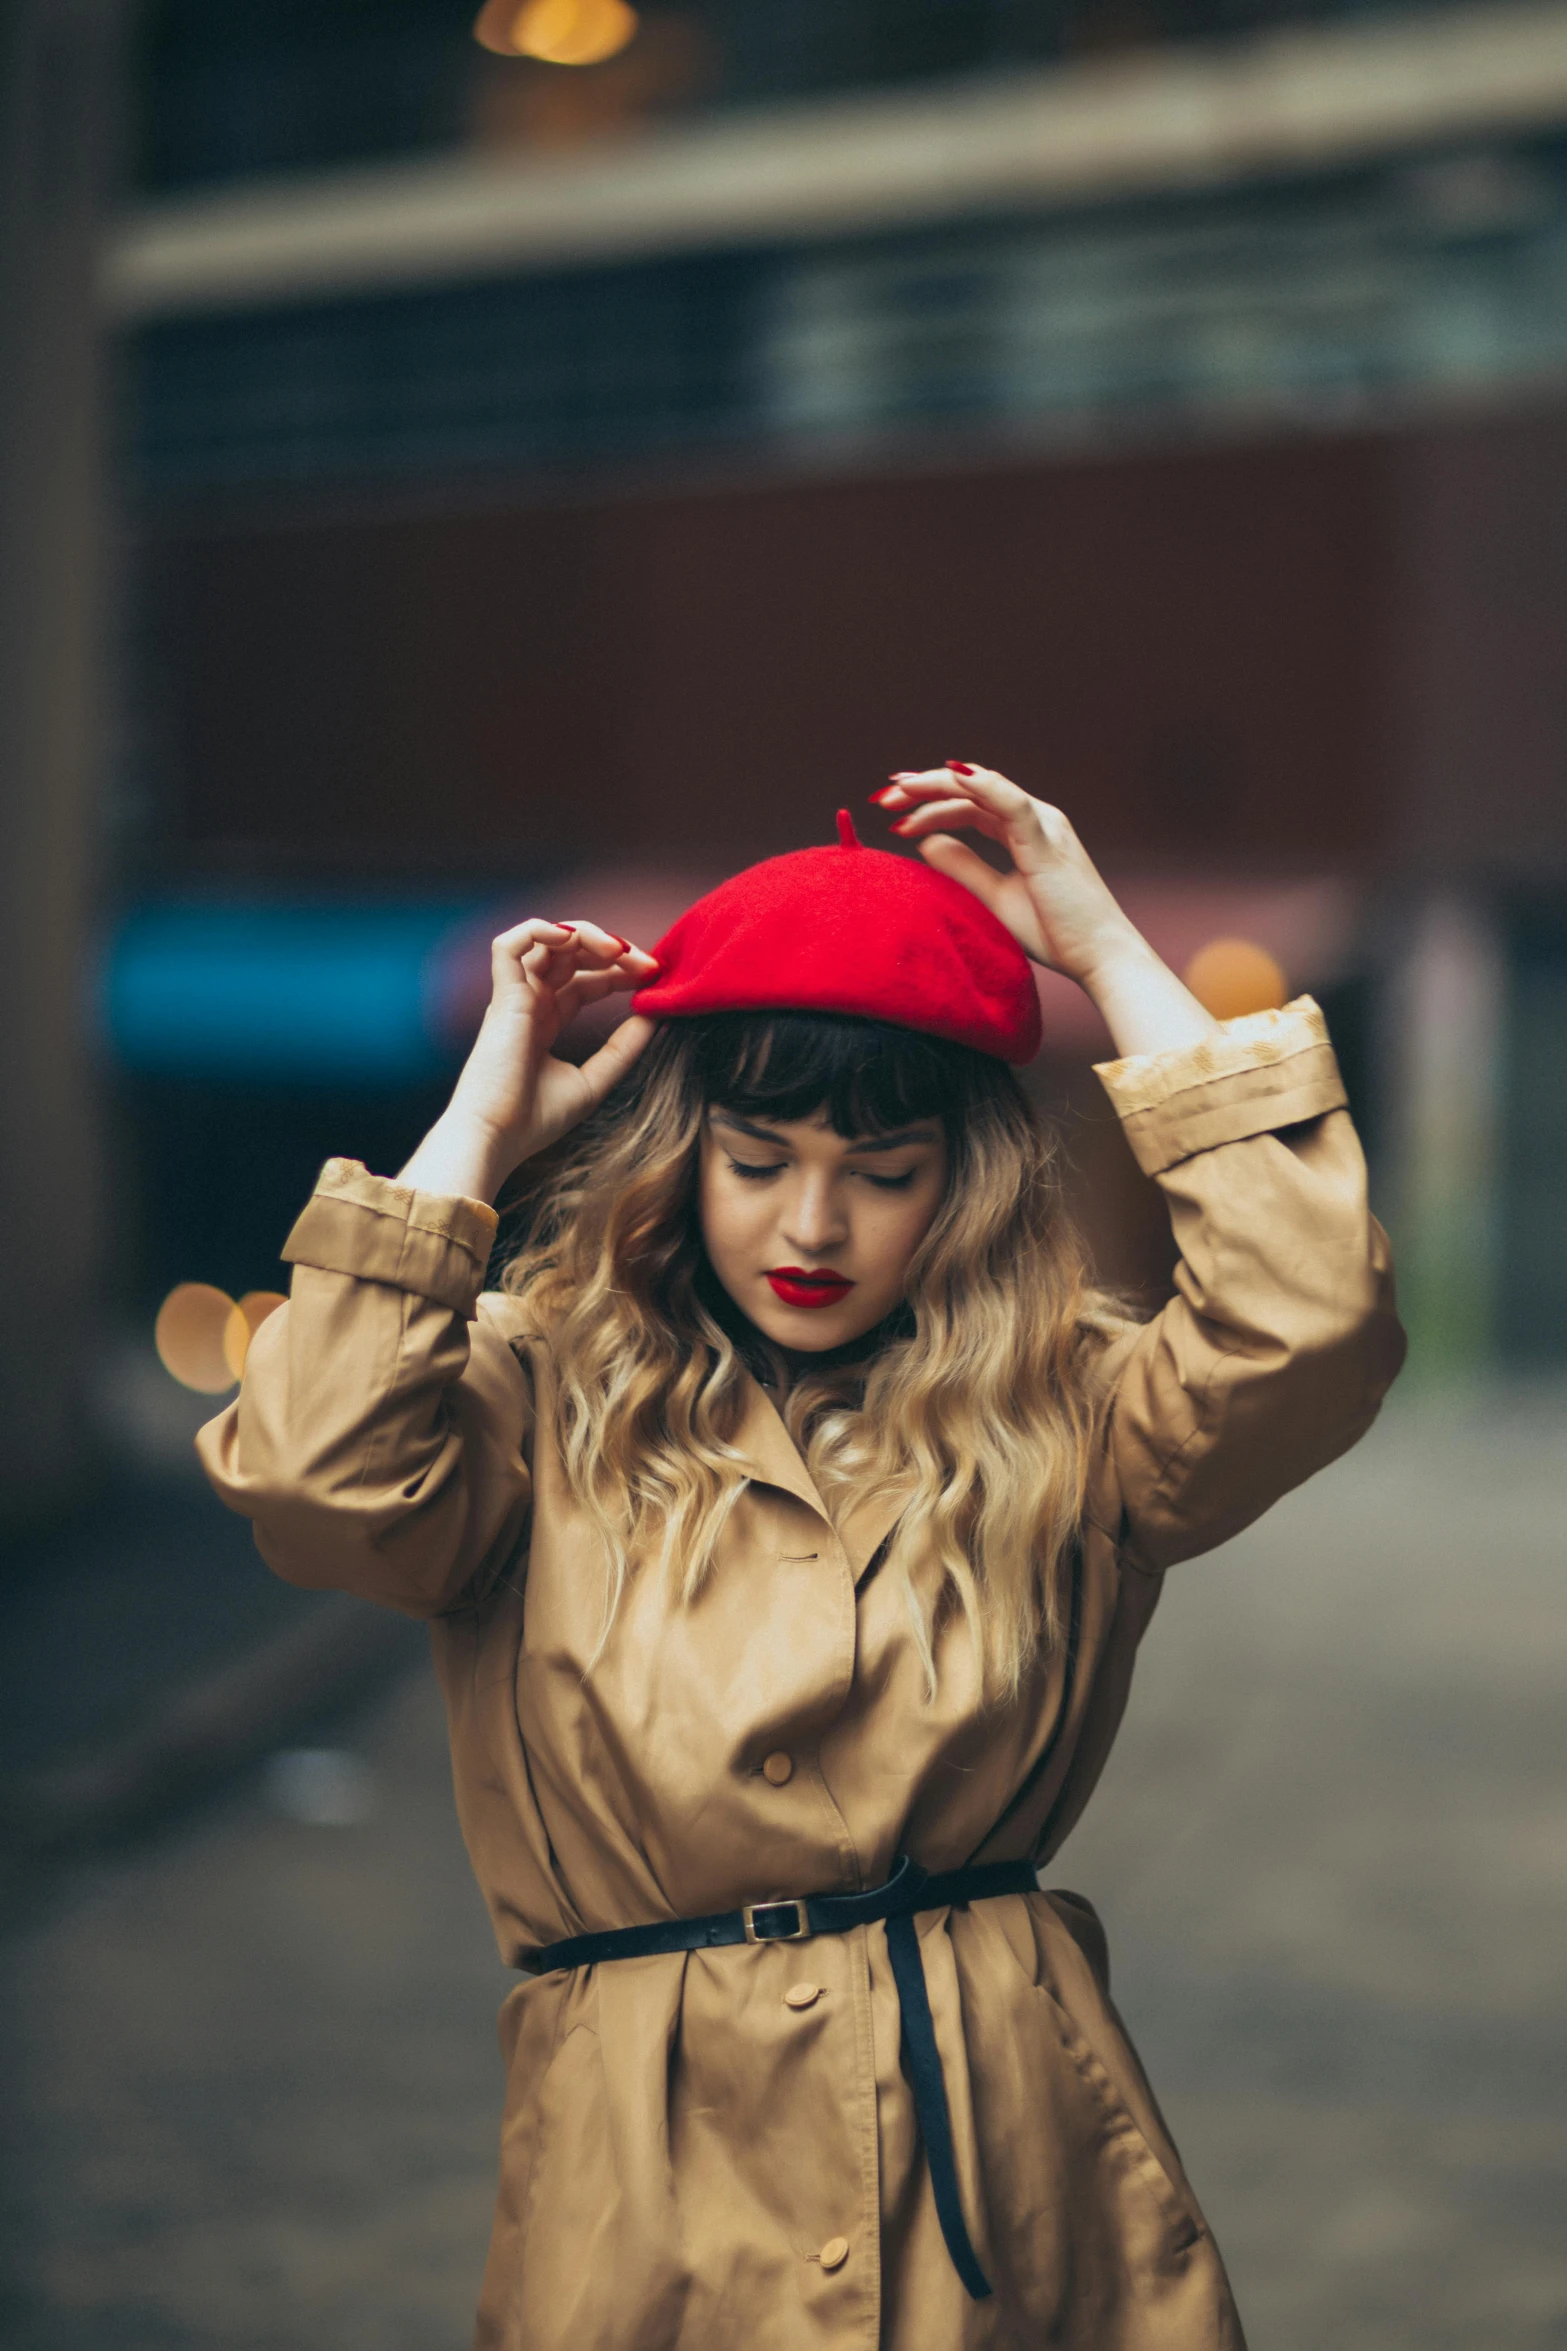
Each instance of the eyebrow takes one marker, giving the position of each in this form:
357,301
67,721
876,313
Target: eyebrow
897,1142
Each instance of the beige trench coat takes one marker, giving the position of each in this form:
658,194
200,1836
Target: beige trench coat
713,2149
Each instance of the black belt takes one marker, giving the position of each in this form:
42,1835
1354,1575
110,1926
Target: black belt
905,1893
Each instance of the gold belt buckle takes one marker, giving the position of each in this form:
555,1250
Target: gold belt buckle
770,1934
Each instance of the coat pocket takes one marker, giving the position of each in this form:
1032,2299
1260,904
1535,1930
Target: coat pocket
1058,1945
564,2099
1125,2142
540,2024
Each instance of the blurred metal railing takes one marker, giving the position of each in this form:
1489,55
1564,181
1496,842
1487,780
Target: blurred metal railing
1307,301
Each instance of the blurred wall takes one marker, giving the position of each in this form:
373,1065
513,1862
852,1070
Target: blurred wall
1340,651
1189,648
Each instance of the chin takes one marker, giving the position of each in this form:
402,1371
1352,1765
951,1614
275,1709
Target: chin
810,1330
814,1341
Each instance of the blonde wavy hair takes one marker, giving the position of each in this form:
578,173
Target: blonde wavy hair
973,1401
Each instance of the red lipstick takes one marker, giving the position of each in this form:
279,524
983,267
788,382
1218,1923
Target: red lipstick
796,1287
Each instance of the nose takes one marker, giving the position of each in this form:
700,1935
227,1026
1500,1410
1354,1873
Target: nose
815,1222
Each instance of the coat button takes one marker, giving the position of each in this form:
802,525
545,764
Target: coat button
834,2253
802,1995
778,1768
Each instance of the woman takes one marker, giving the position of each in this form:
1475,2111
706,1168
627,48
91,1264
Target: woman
787,1524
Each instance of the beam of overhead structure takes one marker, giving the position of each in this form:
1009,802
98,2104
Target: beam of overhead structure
1309,98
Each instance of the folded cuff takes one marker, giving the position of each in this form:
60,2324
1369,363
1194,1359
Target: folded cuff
360,1224
1265,1070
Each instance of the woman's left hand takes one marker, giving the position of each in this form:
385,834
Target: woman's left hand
1054,901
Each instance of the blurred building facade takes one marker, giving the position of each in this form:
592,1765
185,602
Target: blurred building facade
531,473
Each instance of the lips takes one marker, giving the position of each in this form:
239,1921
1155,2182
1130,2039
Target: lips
796,1287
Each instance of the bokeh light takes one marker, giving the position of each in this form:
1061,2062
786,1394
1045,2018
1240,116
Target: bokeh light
1231,976
557,32
189,1335
244,1320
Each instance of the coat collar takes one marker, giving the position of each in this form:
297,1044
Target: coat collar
773,1459
771,1456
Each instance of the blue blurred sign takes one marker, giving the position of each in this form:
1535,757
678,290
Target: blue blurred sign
309,992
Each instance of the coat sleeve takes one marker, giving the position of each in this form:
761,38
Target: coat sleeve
380,1440
1281,1340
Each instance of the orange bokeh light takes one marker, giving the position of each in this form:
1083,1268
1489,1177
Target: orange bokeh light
244,1320
557,32
1229,977
188,1335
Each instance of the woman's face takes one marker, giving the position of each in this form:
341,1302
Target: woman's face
812,1236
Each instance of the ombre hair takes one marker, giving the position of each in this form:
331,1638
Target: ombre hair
972,1402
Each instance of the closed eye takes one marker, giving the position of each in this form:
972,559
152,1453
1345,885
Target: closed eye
754,1175
897,1183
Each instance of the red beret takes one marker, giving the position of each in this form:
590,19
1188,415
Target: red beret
855,930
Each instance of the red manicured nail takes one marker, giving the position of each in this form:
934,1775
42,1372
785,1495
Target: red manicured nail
563,926
876,798
622,944
960,767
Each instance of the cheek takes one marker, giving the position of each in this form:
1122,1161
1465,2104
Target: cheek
899,1231
729,1217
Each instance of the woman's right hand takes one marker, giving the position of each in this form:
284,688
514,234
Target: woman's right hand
514,1096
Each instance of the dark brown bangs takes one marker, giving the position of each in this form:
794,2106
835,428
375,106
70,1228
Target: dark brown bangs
869,1077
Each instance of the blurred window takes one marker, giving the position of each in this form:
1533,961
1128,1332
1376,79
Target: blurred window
1319,302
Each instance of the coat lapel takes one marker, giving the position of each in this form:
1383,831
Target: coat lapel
865,1526
773,1459
771,1455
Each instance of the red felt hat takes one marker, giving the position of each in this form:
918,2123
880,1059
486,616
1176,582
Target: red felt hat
855,930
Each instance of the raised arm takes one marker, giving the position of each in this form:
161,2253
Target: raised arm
381,1436
1282,1337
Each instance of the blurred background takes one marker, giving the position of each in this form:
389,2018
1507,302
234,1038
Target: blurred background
446,478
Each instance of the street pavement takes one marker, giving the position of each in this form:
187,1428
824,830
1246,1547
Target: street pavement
252,2082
